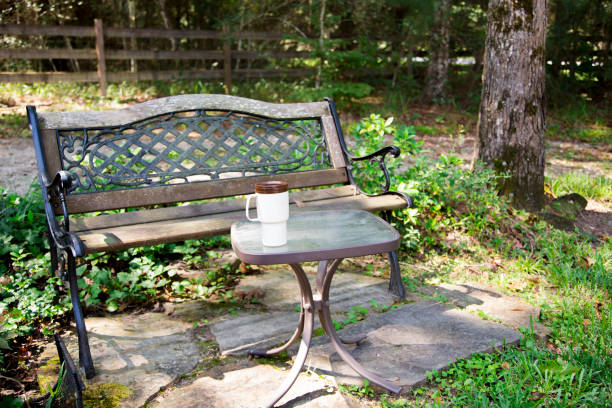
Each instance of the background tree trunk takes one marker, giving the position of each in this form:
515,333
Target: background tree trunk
437,70
511,123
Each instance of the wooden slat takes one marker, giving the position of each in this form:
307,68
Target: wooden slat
269,54
27,29
163,75
84,31
111,239
52,158
141,197
161,33
333,143
29,77
163,55
37,53
196,210
140,111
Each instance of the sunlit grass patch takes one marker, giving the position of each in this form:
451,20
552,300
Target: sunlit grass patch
587,185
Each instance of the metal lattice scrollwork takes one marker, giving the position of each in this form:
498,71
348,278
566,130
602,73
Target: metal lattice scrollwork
190,146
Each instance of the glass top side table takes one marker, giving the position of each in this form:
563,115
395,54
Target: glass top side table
327,237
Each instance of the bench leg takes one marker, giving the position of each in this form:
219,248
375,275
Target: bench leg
396,286
85,359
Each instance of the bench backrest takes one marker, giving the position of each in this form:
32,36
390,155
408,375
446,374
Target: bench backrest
188,147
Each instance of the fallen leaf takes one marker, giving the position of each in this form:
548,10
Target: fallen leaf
517,309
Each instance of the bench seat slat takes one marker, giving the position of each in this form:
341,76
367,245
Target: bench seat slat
172,193
202,226
194,210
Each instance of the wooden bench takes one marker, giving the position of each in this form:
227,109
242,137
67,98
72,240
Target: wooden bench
189,148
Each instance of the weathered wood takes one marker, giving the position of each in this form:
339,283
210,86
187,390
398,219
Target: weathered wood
51,151
84,31
197,210
36,53
27,29
172,230
163,75
162,33
333,142
133,113
163,55
270,54
141,197
62,53
100,54
30,77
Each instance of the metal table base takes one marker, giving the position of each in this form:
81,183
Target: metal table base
318,302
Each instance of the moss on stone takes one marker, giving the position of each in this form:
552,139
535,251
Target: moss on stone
47,374
107,395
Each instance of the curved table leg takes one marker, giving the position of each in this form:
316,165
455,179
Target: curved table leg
276,350
300,359
321,272
328,326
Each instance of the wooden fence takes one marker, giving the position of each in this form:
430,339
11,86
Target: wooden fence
223,53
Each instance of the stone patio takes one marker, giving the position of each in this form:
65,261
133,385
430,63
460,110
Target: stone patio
194,355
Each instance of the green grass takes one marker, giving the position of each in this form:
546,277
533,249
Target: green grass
587,185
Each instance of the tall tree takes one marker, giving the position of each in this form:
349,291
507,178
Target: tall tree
437,70
511,123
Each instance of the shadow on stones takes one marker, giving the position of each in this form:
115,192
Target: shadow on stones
304,399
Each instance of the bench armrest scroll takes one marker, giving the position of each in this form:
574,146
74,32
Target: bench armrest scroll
60,233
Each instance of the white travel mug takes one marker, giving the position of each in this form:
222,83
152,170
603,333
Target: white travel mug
272,211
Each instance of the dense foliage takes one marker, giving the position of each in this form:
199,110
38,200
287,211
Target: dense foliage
343,42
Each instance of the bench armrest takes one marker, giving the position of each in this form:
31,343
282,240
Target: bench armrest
377,156
60,233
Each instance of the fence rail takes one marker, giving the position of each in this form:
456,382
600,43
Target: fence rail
224,53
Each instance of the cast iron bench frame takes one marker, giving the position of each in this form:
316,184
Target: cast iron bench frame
106,160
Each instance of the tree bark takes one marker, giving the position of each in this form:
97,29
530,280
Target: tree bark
437,70
512,118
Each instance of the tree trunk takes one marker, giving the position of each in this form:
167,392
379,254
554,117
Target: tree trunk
512,118
437,70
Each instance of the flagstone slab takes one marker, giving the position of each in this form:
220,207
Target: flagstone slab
251,387
482,299
144,352
404,343
237,334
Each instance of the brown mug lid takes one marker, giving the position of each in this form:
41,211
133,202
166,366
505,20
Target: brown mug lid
271,187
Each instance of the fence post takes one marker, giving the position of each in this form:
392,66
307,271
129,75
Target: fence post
227,59
100,54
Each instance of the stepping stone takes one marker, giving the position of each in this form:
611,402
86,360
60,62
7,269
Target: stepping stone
238,334
143,352
473,297
404,343
251,387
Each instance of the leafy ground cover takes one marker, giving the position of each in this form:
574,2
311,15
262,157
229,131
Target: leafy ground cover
459,231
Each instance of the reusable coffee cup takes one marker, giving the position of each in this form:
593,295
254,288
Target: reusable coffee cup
272,211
